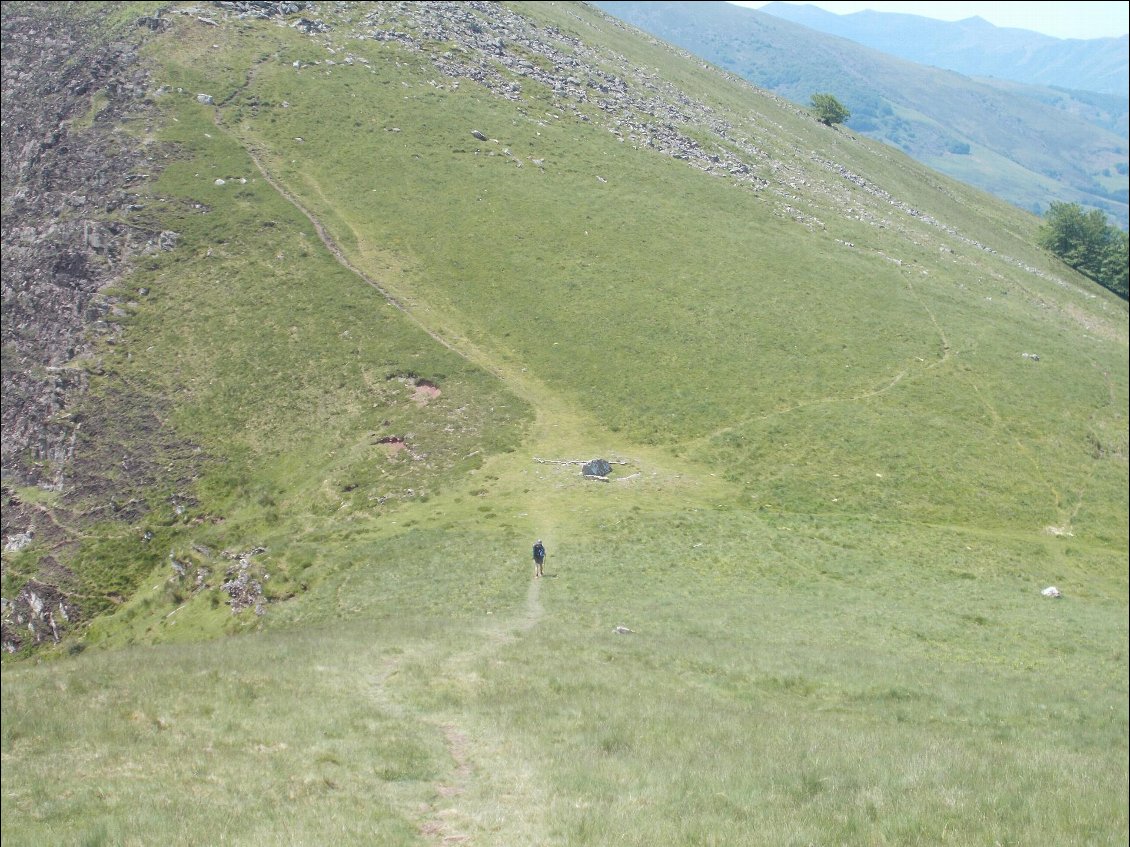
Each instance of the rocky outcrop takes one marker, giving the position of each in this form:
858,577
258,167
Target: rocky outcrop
39,614
65,232
597,467
70,229
261,9
507,52
244,583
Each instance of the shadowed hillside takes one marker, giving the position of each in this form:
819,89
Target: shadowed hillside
312,313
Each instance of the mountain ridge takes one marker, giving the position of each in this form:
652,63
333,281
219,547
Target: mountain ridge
975,47
1030,150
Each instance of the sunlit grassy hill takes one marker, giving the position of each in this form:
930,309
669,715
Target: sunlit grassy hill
428,258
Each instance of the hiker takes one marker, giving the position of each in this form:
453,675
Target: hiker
539,558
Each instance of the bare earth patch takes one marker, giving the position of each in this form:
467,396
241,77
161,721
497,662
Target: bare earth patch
425,392
393,444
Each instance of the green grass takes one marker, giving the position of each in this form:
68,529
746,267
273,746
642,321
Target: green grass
783,684
234,766
737,333
829,538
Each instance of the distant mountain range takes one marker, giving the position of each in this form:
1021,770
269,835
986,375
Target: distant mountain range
975,47
1031,144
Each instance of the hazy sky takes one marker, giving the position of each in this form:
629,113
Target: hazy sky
1063,20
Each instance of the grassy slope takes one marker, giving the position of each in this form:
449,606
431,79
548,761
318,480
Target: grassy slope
831,556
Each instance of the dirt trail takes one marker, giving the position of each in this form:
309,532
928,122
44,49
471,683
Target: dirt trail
441,819
562,429
560,426
534,609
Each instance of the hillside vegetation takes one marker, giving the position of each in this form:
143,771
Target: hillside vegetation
411,264
1028,145
975,47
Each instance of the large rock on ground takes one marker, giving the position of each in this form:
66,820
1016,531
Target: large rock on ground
596,467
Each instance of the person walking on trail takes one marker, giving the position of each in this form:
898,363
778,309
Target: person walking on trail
539,558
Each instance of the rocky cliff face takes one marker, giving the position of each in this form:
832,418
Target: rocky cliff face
66,235
72,227
66,185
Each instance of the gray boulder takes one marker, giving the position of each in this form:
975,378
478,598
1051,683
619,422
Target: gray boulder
597,467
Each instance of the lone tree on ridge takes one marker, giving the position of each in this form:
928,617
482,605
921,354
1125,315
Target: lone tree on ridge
829,110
